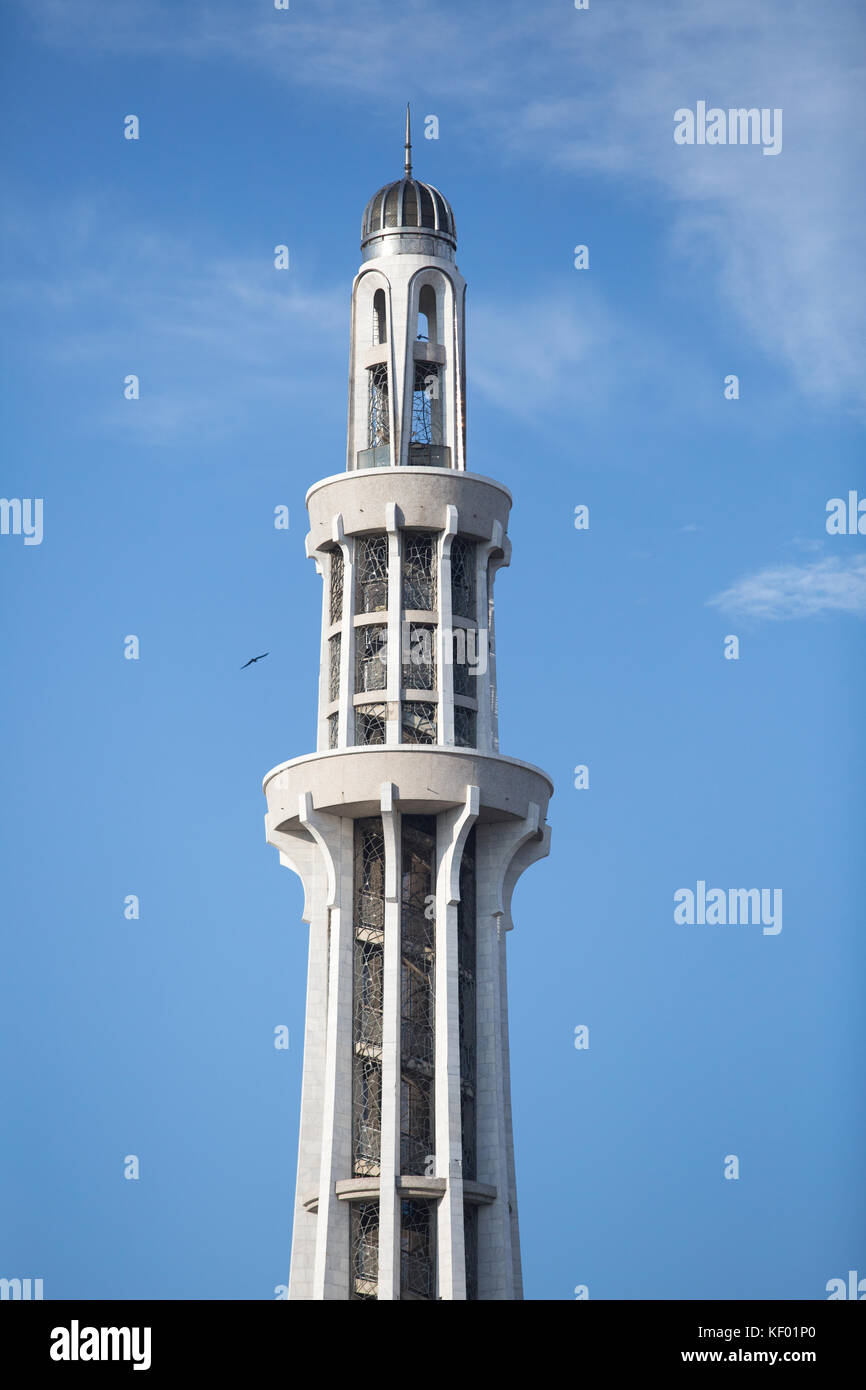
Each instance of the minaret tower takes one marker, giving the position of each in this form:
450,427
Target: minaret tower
408,828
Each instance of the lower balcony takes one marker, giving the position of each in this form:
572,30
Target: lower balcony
429,778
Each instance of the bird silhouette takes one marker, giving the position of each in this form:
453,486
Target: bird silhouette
252,659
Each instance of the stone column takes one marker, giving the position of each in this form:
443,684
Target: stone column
453,828
389,1168
444,633
391,693
334,834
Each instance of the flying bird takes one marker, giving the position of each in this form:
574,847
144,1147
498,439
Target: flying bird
252,659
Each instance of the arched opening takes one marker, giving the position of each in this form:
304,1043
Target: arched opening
426,411
427,314
380,323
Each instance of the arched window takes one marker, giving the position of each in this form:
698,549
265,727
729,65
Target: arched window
378,417
426,406
427,314
371,573
419,571
463,578
380,323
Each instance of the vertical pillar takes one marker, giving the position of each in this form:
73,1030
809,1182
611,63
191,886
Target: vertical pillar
391,361
389,1163
503,853
395,626
331,1267
305,859
487,736
346,631
345,712
494,1237
324,661
453,828
400,348
460,376
444,633
513,1226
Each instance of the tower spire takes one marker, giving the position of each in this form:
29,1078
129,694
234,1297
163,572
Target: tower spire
407,165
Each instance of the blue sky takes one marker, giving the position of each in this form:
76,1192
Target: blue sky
603,387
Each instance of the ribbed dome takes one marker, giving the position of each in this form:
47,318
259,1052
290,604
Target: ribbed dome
408,204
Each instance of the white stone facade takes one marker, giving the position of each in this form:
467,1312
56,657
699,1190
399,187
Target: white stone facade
407,826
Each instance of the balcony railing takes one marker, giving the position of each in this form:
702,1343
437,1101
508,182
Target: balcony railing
377,457
429,456
420,456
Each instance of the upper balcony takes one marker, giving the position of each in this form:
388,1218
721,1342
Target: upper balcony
420,456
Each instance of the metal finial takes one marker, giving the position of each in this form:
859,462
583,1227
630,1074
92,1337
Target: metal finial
408,161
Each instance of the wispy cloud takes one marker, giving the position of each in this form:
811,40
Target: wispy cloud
781,244
556,351
799,591
210,338
569,352
594,92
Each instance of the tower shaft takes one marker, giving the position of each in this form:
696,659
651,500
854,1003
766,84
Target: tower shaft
408,828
